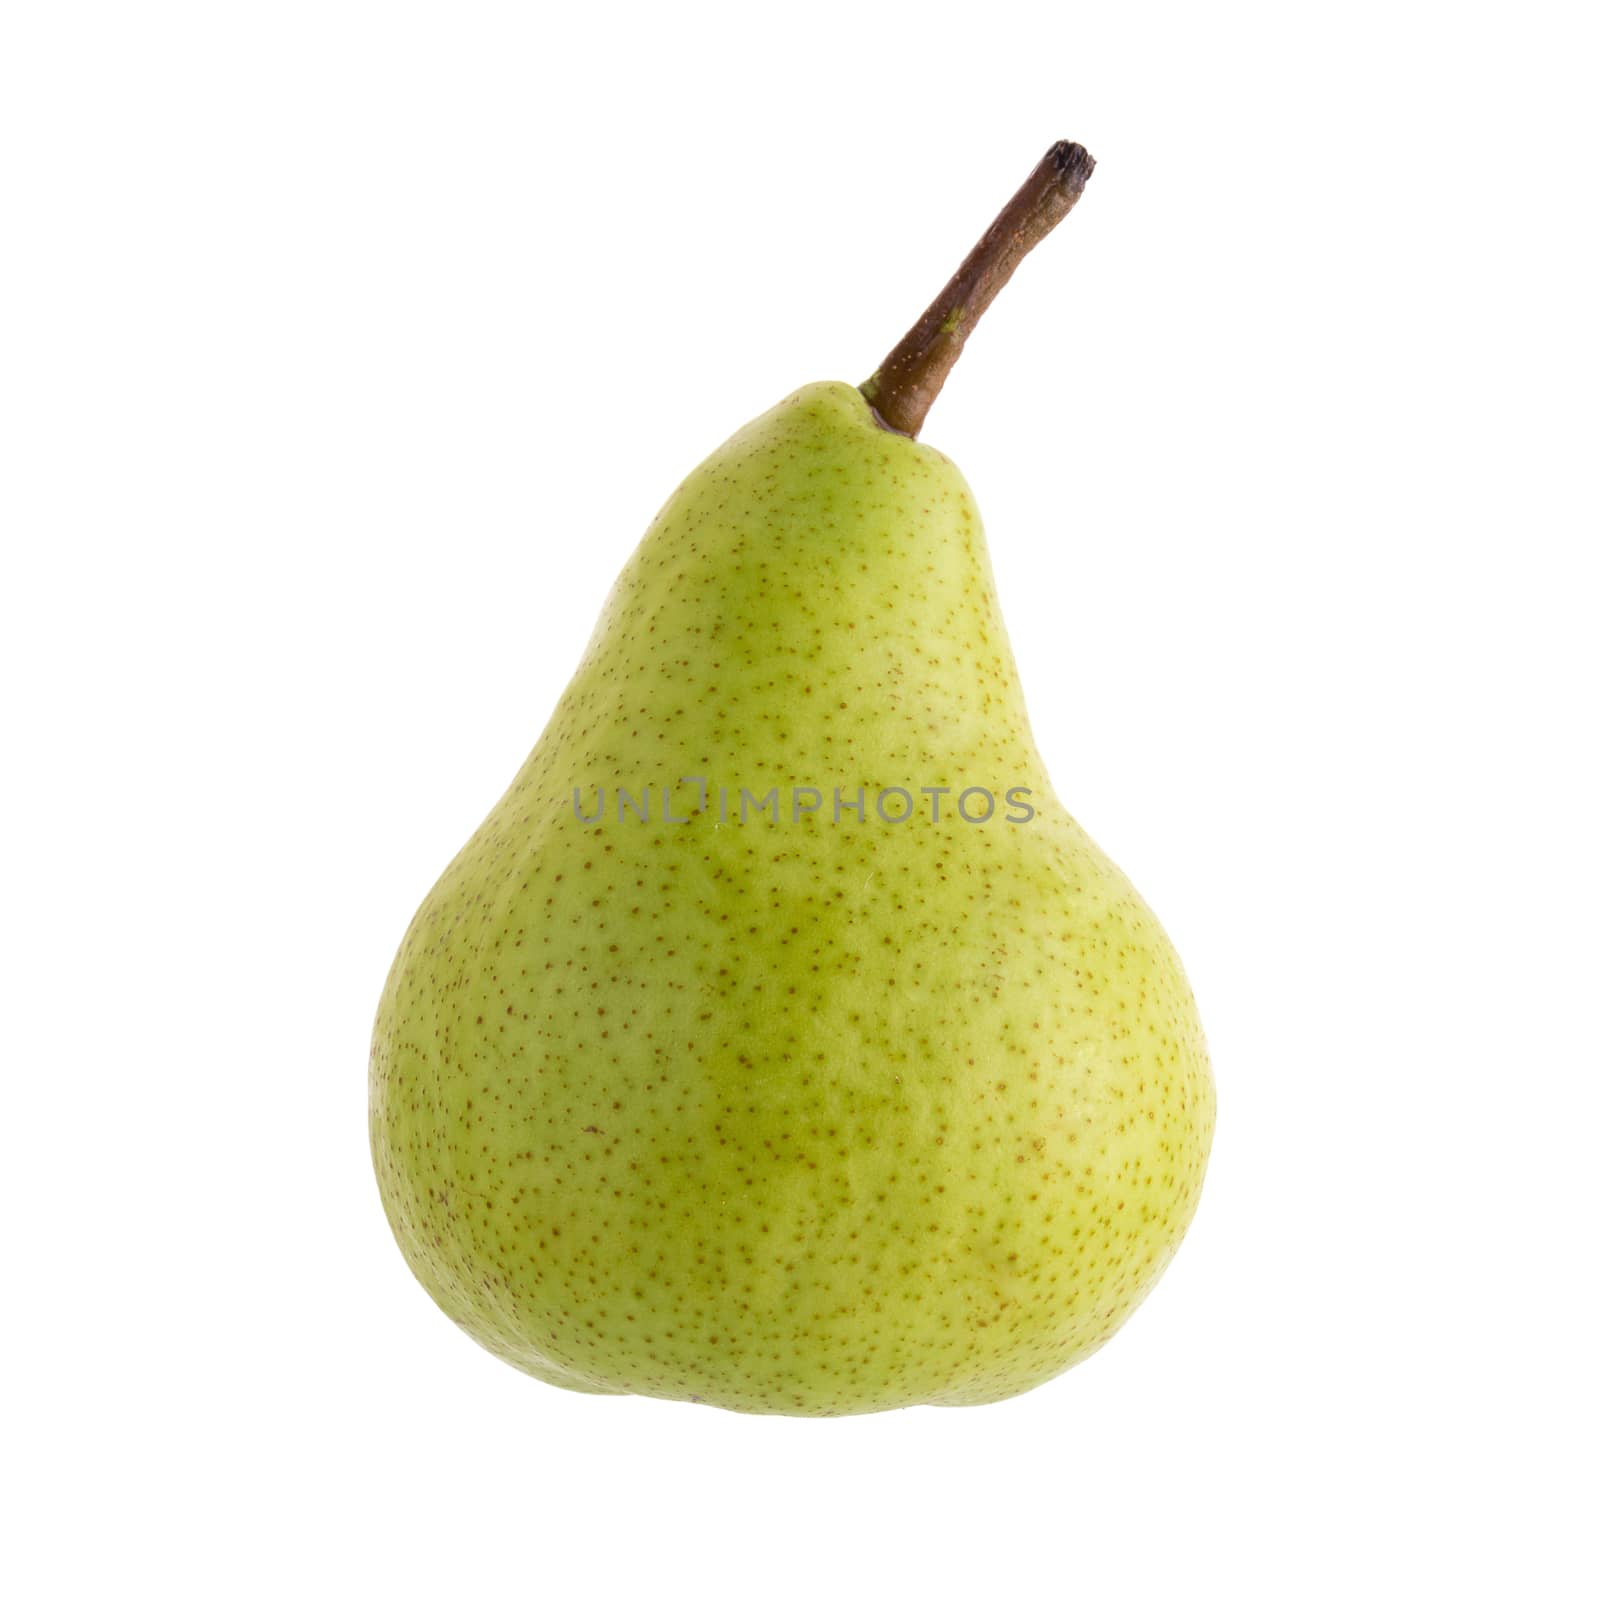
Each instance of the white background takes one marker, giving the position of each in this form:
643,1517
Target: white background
345,351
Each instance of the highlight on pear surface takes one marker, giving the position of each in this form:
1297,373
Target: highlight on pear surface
779,1041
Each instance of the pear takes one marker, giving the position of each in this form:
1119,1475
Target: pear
779,1041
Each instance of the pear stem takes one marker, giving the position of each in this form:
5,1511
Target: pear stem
913,373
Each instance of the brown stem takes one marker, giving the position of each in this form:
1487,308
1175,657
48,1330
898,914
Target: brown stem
913,373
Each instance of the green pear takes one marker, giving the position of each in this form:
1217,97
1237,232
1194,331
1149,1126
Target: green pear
779,1041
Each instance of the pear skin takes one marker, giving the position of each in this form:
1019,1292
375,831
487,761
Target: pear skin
816,1113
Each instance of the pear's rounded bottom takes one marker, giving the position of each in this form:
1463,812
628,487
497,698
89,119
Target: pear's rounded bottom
743,1393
